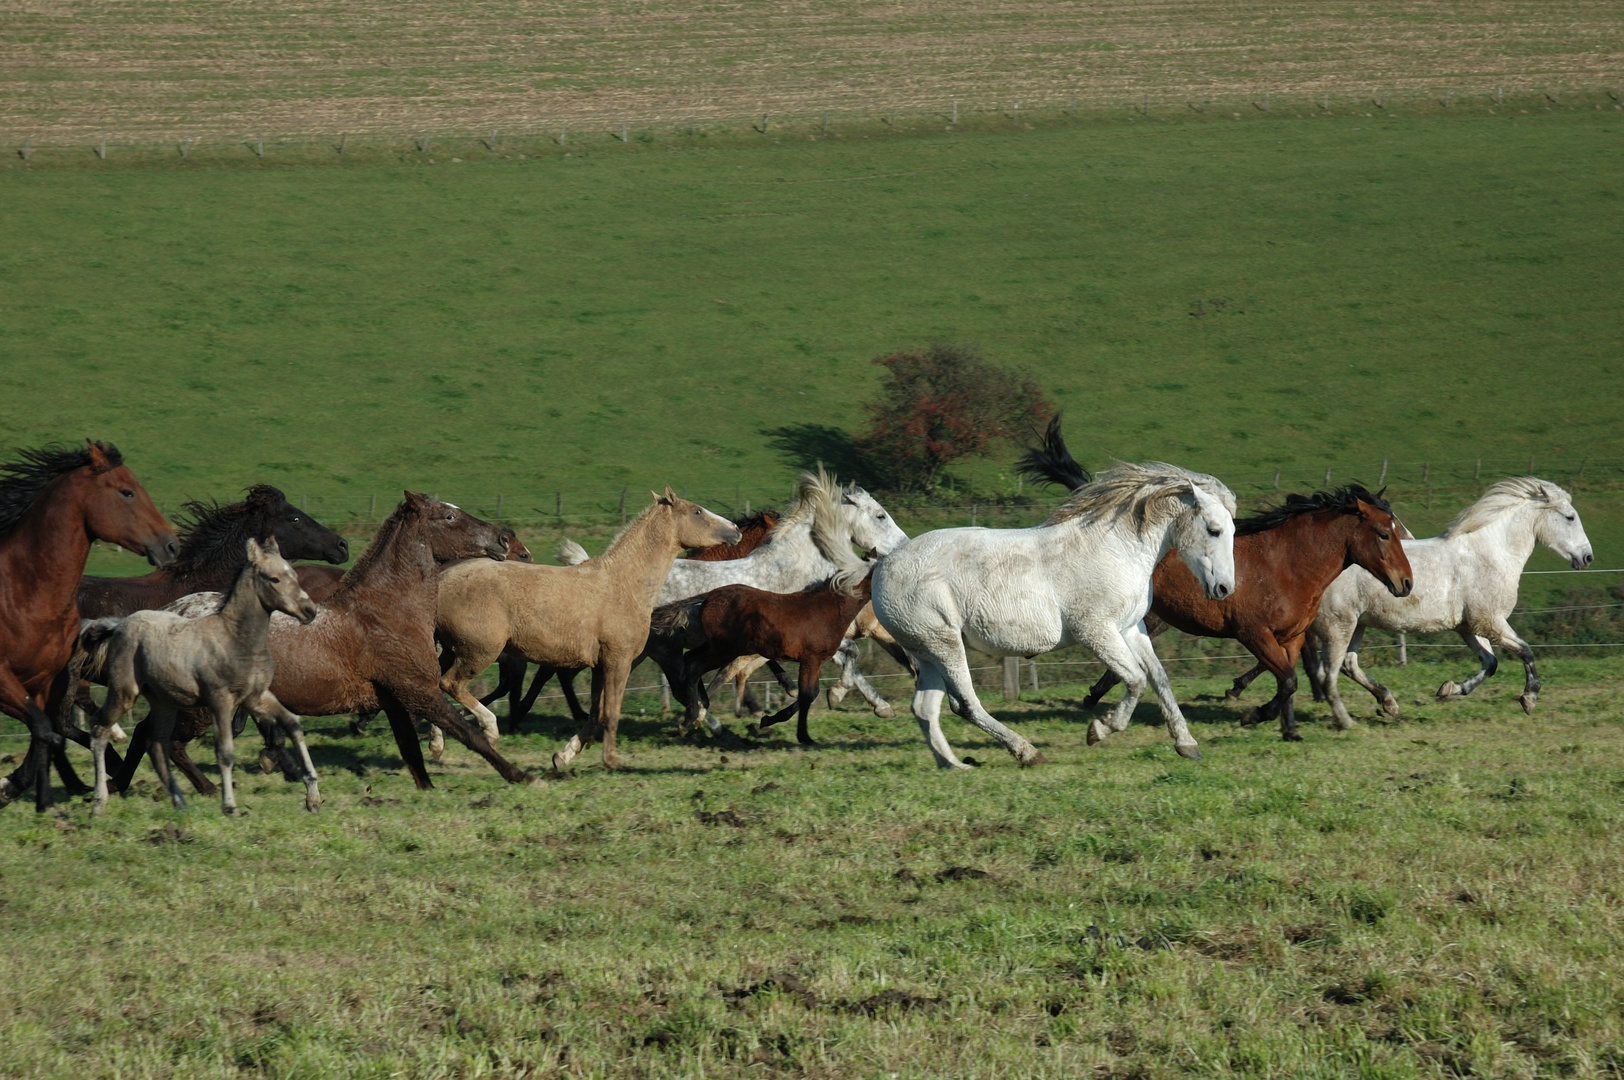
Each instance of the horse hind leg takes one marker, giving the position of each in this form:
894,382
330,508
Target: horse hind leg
163,731
1101,687
274,711
956,672
929,691
1488,664
1242,681
852,675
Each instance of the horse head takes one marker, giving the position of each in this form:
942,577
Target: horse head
1376,544
453,533
695,526
118,509
1204,534
1558,526
297,534
276,583
871,527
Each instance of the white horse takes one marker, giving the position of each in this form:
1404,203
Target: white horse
1082,576
1466,580
790,558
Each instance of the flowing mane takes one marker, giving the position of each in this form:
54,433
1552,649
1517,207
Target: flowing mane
1505,497
216,535
805,495
1295,506
1129,490
22,481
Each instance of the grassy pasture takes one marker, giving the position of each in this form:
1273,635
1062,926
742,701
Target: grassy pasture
1436,897
1237,297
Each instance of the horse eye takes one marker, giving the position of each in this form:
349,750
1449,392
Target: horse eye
276,581
295,519
1214,532
1385,536
127,493
1572,517
879,517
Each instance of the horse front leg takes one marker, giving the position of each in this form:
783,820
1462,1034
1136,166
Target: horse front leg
616,670
273,710
405,732
930,689
1242,681
1183,742
1510,640
1101,687
589,730
1114,651
107,718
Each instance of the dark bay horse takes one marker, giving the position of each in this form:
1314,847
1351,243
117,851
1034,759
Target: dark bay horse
53,503
211,553
511,666
739,620
371,645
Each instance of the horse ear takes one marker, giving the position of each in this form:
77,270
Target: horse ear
670,496
271,547
416,498
98,457
254,551
656,494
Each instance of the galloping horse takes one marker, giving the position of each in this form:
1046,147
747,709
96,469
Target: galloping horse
1466,580
1082,576
371,644
1285,558
53,503
594,615
214,663
211,553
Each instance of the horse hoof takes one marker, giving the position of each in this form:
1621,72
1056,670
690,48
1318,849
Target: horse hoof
1193,752
808,741
1253,717
1096,732
611,761
1232,695
1390,707
313,807
1291,736
98,809
1527,701
560,763
228,810
1037,758
885,712
1448,690
831,698
1345,725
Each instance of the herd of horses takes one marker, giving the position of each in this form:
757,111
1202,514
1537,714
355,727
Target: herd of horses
237,624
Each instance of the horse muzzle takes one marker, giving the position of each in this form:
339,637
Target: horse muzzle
496,551
1583,559
1401,588
163,551
1219,590
308,611
339,552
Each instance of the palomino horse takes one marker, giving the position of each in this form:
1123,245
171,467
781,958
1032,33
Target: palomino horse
594,615
53,503
215,663
1082,576
511,666
1466,580
1285,558
371,644
211,553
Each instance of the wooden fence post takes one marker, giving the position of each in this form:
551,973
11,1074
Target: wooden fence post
372,506
1383,478
1032,665
1012,678
1403,652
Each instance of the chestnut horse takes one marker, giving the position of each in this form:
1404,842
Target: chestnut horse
371,644
211,553
53,503
594,615
511,665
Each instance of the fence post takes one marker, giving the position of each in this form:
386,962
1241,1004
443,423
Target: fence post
259,146
1530,464
1012,678
499,507
1477,472
1327,476
26,150
101,150
1277,479
1032,665
558,506
372,506
343,141
1403,652
665,695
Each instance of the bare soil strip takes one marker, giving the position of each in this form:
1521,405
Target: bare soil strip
145,69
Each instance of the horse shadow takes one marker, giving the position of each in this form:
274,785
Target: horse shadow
804,446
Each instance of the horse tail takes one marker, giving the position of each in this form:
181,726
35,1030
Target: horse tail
570,553
89,660
675,617
1050,462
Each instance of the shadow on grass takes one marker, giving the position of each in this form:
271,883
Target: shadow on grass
805,445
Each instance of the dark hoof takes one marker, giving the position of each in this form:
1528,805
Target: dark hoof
1291,736
754,730
1253,717
807,741
970,761
1232,695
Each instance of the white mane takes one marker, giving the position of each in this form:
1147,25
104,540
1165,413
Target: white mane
1132,490
1505,497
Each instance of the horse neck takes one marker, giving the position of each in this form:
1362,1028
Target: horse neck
1510,534
1142,549
399,565
644,554
242,612
45,555
1316,546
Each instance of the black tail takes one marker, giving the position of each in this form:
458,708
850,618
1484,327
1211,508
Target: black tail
1050,462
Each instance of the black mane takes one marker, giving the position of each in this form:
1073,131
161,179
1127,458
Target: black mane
1295,506
22,481
1050,462
217,536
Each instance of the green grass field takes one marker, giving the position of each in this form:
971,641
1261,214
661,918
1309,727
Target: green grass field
1235,297
1437,897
